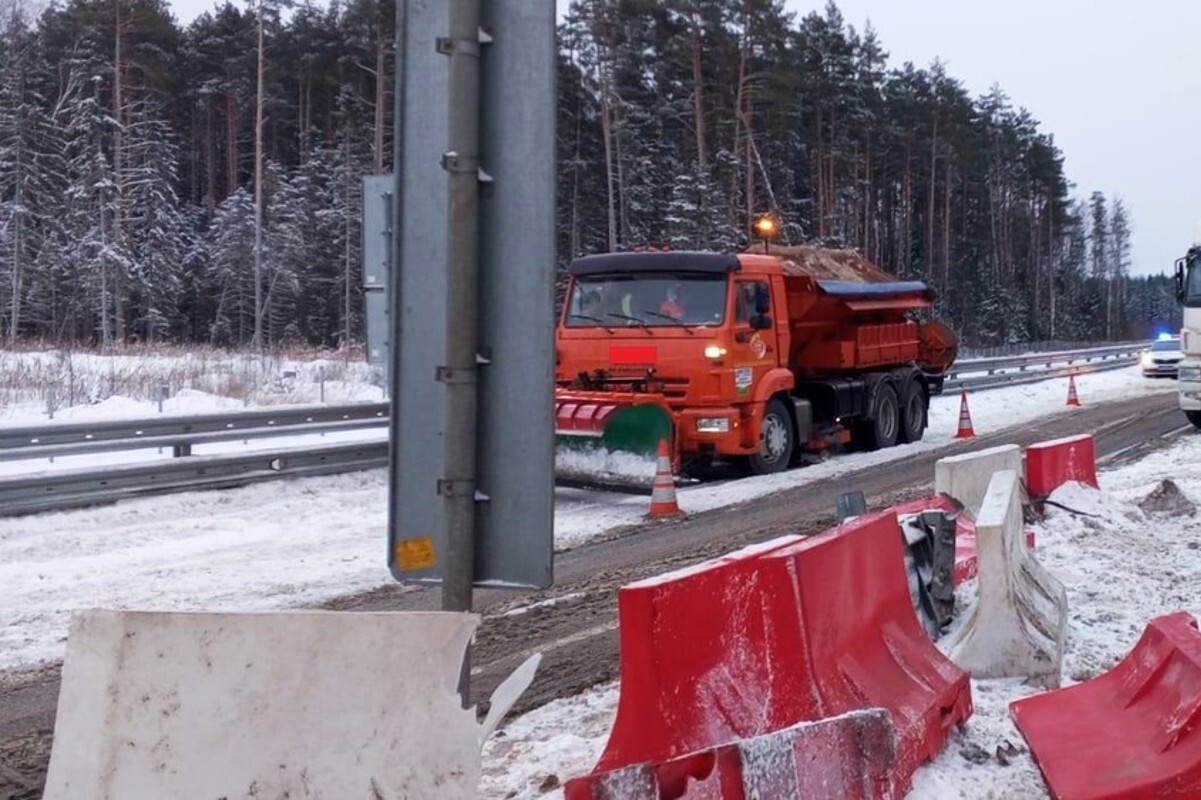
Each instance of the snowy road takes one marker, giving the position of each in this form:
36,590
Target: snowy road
306,541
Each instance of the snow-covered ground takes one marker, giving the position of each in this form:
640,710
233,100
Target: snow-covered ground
290,543
42,388
38,385
296,543
1121,567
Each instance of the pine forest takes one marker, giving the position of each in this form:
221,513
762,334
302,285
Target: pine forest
130,167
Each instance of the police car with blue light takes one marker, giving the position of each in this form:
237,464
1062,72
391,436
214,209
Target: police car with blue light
1163,357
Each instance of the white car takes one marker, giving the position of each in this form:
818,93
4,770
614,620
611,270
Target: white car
1163,357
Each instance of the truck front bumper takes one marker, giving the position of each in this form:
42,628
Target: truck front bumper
721,430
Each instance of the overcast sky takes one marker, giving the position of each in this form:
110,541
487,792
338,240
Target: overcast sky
1117,84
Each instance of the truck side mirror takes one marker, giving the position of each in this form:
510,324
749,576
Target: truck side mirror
760,322
1180,280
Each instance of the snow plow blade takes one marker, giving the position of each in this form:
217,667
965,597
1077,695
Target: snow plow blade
609,439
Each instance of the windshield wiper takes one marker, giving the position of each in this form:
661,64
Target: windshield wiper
591,318
669,317
641,323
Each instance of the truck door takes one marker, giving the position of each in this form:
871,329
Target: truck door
754,347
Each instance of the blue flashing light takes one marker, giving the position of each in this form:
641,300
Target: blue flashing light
1164,336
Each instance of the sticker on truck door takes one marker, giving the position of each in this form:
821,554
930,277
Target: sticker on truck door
758,346
743,377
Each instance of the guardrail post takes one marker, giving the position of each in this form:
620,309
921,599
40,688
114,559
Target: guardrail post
321,380
50,402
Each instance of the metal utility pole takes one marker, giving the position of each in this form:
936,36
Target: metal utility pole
472,461
461,162
258,195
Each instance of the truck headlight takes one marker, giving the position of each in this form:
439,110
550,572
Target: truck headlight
1189,374
714,351
713,425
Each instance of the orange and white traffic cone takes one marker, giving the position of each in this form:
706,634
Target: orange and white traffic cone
1073,399
965,419
663,489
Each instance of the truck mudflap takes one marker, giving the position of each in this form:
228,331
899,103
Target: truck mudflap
617,422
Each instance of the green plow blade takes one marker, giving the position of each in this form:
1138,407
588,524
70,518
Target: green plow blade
636,430
624,455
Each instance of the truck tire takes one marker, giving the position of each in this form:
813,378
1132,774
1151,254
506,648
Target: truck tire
776,440
1194,417
884,426
913,412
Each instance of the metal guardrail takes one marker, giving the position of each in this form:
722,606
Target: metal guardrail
1046,360
75,488
181,432
1028,348
981,374
49,491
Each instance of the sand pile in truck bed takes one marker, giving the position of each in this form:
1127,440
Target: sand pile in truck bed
826,263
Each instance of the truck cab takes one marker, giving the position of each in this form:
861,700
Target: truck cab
1188,293
691,333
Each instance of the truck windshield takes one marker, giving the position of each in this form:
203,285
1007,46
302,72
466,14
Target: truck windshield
1192,283
647,298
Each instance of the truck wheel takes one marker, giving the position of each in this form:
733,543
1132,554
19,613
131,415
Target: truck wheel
1194,417
776,440
882,429
913,412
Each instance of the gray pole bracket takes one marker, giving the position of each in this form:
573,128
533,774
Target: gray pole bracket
448,46
486,182
453,162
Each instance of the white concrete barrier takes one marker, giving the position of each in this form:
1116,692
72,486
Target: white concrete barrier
1017,626
966,477
296,704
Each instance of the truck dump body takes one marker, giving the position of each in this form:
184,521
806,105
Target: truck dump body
847,314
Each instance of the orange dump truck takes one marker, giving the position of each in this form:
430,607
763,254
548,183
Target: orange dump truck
753,356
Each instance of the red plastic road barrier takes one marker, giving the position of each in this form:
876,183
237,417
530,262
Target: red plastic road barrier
1130,733
1050,465
866,644
756,642
842,758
